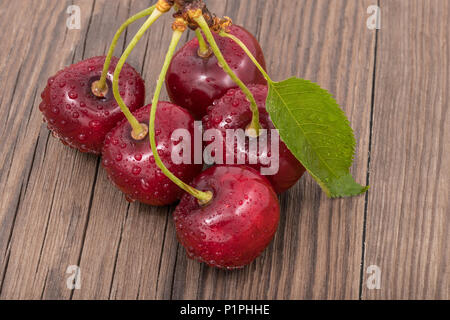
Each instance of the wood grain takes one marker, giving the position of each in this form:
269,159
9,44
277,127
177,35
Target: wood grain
58,209
43,213
408,208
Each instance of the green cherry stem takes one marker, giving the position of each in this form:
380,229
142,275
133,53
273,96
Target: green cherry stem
203,197
254,125
138,129
247,51
100,87
204,51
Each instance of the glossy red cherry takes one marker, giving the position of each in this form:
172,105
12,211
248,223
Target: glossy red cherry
194,82
232,111
235,227
78,117
130,163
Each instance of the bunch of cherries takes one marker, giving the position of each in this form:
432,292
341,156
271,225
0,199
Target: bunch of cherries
228,214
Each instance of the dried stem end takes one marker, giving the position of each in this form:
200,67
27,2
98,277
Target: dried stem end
100,91
138,136
207,200
179,25
164,5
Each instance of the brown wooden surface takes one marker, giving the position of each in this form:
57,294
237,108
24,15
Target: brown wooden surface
57,208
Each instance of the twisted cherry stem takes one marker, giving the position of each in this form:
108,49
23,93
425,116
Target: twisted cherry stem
100,88
203,197
254,125
139,131
204,51
224,34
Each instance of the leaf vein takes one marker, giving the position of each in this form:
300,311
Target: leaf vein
320,158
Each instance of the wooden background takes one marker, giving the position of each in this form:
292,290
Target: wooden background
57,208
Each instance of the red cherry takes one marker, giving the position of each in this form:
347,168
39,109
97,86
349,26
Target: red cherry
232,111
78,117
130,163
194,82
237,225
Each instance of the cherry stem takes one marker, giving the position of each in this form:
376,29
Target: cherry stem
247,51
203,197
254,125
204,51
100,85
137,128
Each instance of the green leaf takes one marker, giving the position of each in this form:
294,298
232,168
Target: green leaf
317,132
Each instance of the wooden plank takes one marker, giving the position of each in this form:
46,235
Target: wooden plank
35,191
407,218
317,251
51,216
